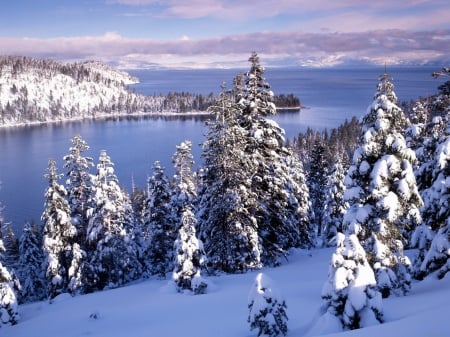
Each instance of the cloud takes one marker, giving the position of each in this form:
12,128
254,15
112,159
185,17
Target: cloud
343,15
278,48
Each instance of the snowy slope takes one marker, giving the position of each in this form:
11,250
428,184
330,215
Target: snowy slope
153,308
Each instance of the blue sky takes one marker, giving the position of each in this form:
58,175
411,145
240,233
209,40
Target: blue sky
222,33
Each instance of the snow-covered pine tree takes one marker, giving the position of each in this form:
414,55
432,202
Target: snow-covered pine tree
265,152
434,255
184,190
189,256
298,189
11,243
227,225
350,294
9,311
317,183
79,184
108,259
334,206
267,308
158,227
382,192
30,264
58,233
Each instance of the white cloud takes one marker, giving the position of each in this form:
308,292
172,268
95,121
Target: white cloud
226,51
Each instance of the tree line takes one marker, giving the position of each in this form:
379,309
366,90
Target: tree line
35,90
371,188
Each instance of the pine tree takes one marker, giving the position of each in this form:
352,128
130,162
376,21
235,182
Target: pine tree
184,187
227,225
11,243
432,238
189,257
9,312
317,183
158,229
265,153
382,193
108,257
58,232
79,184
267,308
350,293
299,203
30,264
334,204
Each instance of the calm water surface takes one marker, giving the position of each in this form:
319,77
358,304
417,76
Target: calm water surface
134,144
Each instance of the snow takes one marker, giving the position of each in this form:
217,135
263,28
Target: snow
154,308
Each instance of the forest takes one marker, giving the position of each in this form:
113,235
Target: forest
370,188
40,90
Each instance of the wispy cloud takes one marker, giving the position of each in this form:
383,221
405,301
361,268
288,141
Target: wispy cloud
278,48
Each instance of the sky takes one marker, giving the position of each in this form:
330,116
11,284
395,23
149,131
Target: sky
223,33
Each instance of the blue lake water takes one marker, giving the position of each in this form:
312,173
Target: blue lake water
331,95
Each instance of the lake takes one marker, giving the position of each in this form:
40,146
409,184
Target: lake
331,95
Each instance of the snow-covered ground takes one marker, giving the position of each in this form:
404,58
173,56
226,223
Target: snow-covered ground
154,308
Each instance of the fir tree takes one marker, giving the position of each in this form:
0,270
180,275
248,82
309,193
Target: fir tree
108,257
58,232
78,184
317,183
158,229
335,205
11,243
350,293
30,264
265,153
189,257
267,308
227,224
382,192
9,312
184,190
432,238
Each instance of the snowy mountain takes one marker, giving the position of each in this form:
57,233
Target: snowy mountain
154,308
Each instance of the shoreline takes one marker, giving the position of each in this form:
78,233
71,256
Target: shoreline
135,114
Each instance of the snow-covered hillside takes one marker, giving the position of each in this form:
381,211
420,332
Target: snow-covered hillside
44,90
39,90
154,308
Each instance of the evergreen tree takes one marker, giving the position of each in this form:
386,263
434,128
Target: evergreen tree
189,257
267,308
79,184
350,293
317,183
158,228
11,243
265,153
58,232
432,238
184,190
299,202
382,192
30,264
227,224
334,205
9,313
108,257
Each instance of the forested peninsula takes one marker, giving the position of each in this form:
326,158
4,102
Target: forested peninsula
41,90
